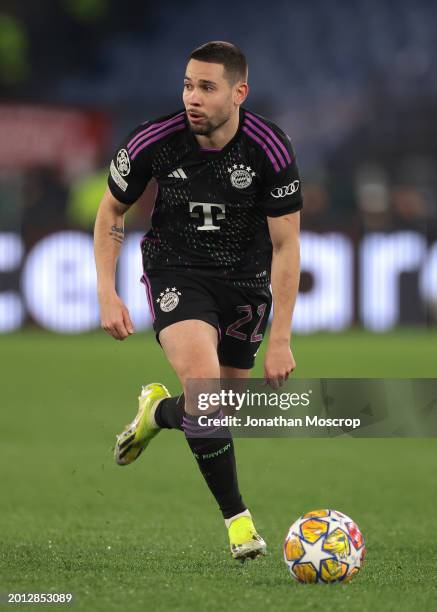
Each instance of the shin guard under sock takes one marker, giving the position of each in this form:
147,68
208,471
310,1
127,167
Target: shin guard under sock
213,449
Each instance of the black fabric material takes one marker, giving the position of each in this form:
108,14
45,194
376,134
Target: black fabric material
227,194
215,457
240,314
170,412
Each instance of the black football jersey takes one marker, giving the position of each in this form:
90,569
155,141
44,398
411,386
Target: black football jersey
211,209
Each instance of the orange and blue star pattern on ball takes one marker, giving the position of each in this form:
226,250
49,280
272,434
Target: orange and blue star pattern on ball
293,548
324,546
333,570
305,572
313,529
316,513
338,543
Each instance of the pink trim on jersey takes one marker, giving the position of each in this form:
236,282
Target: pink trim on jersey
148,288
174,128
269,141
155,198
263,145
272,134
152,126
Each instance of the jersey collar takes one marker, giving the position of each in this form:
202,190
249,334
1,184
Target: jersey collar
202,152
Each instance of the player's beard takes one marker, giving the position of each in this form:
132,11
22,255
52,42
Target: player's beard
208,126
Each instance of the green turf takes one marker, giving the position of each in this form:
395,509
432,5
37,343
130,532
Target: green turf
148,536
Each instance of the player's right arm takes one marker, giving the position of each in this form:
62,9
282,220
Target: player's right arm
130,171
108,238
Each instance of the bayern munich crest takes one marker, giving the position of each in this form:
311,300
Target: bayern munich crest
241,176
168,299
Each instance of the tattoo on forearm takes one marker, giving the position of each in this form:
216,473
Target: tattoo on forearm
117,234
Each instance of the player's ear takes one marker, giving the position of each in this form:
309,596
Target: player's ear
241,92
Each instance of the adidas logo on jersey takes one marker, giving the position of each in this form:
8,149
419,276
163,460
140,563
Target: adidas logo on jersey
179,173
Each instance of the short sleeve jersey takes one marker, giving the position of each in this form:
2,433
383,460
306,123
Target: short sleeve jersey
211,208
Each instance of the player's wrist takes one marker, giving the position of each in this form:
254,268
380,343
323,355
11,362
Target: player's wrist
106,291
279,340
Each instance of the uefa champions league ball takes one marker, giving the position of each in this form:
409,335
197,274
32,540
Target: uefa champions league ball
324,546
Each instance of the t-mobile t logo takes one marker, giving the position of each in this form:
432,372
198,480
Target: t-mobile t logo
204,211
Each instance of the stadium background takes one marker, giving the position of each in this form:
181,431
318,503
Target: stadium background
355,86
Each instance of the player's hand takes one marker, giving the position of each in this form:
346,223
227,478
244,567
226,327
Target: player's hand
278,363
115,317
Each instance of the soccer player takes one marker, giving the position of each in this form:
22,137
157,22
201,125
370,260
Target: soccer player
225,226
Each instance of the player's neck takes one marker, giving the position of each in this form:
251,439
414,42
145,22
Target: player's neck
221,136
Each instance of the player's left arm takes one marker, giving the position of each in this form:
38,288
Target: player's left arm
285,271
282,203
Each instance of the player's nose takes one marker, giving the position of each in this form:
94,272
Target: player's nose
194,98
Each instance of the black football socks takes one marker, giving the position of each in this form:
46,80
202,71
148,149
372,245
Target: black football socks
170,412
213,449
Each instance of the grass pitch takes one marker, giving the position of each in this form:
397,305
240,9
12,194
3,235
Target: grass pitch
149,536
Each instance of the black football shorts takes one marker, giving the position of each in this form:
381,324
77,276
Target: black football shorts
240,315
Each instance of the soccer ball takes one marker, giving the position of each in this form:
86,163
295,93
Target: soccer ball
324,546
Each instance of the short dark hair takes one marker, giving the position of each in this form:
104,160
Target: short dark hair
225,53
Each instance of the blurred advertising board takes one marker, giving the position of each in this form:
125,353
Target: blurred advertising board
67,138
381,281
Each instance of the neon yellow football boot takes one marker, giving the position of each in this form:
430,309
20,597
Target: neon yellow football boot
244,540
136,436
